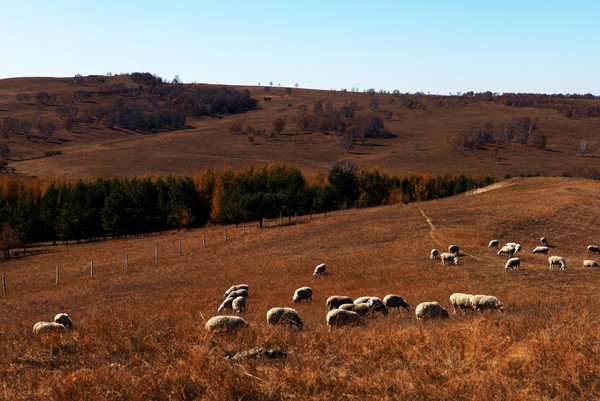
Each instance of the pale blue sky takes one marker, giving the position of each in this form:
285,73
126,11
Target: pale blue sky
430,46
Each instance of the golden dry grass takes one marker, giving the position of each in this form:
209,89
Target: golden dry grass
139,333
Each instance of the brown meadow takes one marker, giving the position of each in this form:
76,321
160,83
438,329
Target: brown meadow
139,333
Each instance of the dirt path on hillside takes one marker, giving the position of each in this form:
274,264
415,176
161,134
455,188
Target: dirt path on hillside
497,185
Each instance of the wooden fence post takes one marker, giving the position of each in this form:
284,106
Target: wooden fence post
179,248
203,241
4,285
156,253
92,268
126,261
57,273
225,234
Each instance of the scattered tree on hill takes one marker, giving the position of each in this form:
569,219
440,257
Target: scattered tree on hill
278,125
318,108
507,132
583,148
374,104
539,140
388,114
302,110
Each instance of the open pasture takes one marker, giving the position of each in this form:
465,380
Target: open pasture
138,334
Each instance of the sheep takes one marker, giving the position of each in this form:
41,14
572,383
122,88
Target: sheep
460,301
363,308
63,319
517,248
242,292
590,263
448,257
540,249
395,301
351,307
341,317
239,305
303,293
593,249
453,249
235,288
430,310
544,241
557,260
507,250
227,304
284,316
493,244
480,302
48,327
225,323
320,269
335,301
433,254
367,300
513,264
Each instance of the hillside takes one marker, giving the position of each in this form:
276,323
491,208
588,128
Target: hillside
423,137
139,332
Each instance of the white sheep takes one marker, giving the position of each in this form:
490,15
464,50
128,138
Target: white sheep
242,292
351,307
303,293
540,249
395,301
288,316
454,249
481,302
341,317
239,305
63,319
225,323
512,264
235,288
590,263
227,304
371,306
367,300
544,241
48,327
593,249
557,260
460,301
433,254
320,270
507,250
335,301
448,257
493,244
430,310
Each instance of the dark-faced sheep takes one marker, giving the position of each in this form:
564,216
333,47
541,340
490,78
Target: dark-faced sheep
493,244
512,264
557,260
63,319
590,263
341,317
461,301
395,301
225,323
433,254
302,294
284,316
454,249
335,301
593,249
430,310
481,302
320,270
544,241
540,249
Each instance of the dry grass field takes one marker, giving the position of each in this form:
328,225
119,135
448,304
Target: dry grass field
139,333
92,151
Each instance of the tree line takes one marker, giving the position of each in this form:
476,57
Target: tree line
34,210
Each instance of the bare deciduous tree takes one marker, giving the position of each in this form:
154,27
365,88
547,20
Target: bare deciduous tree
539,140
374,104
583,148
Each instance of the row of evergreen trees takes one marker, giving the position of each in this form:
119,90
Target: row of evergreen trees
33,210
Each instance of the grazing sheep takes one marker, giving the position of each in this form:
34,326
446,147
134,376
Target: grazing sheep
453,249
63,319
493,244
48,327
590,263
507,250
238,293
517,248
557,260
365,307
366,300
235,288
225,323
540,249
303,293
341,317
239,305
395,301
448,257
461,301
320,269
433,254
593,249
335,301
481,302
284,316
513,264
544,241
227,304
351,307
430,310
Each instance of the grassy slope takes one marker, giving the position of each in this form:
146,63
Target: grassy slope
90,152
139,333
